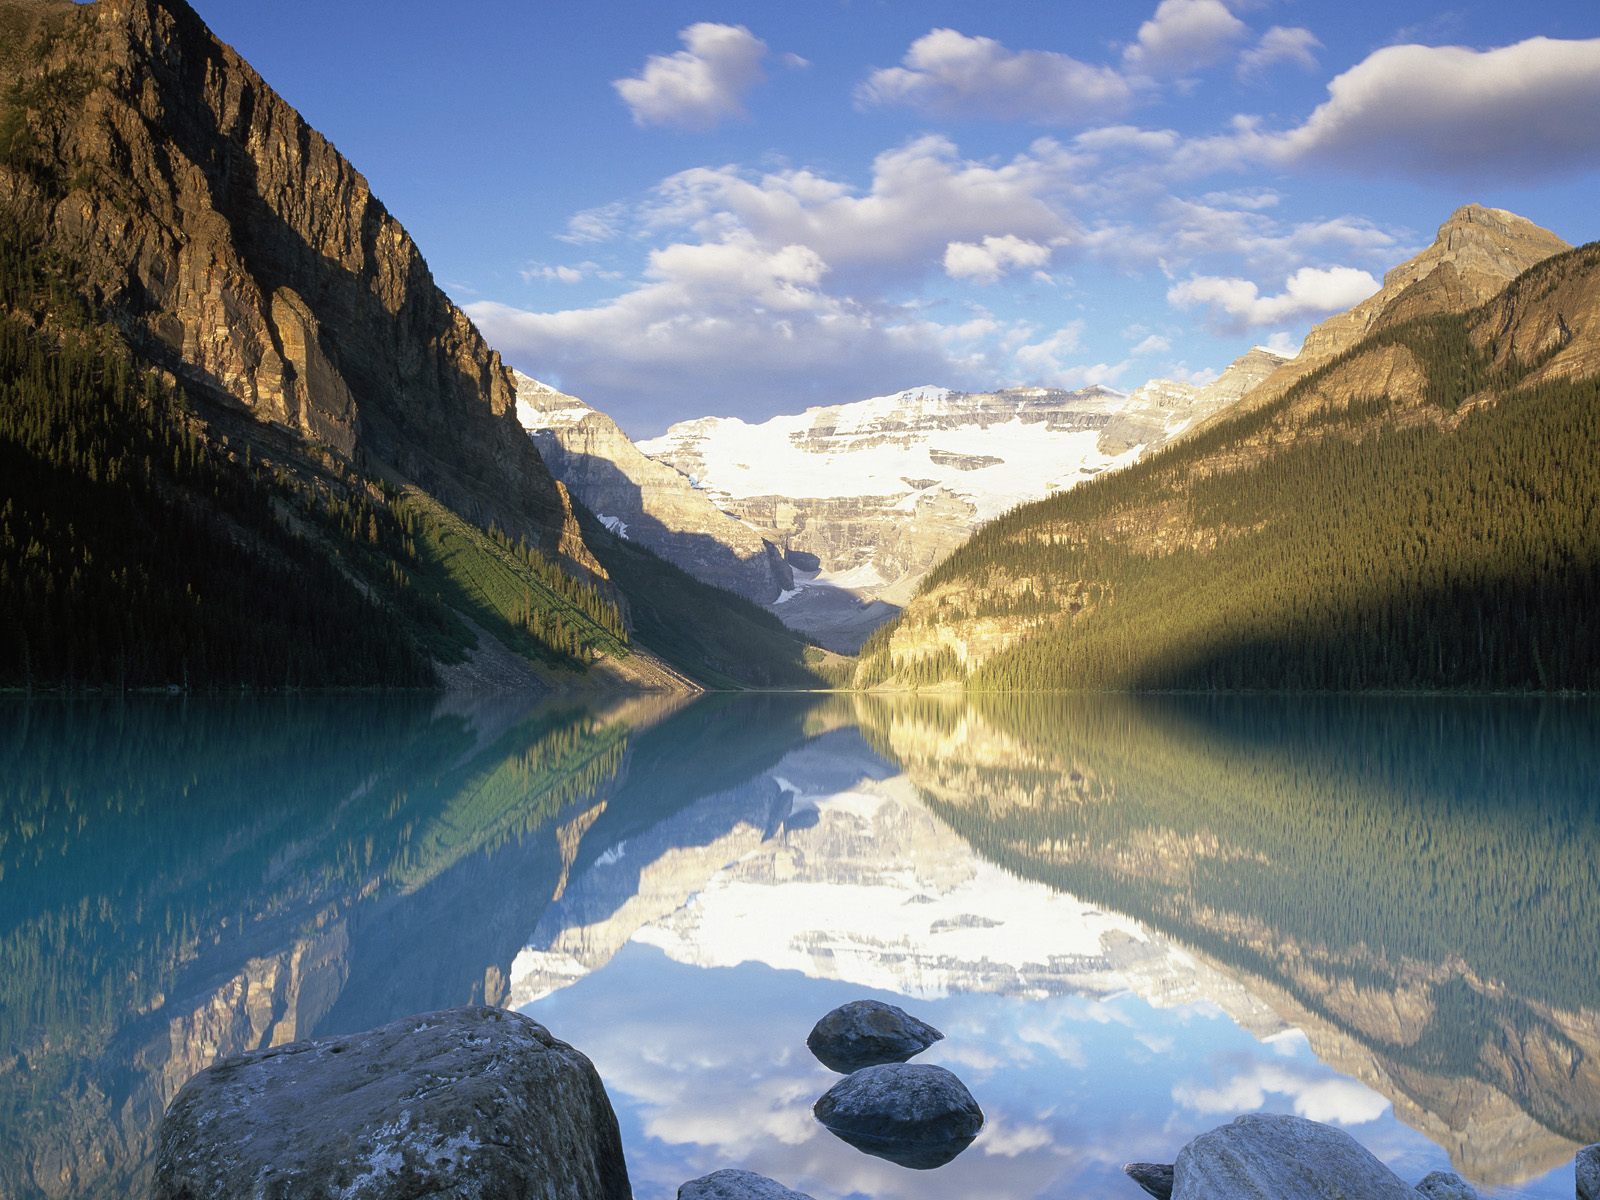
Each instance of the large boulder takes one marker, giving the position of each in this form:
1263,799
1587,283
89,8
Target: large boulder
867,1033
1587,1170
1446,1185
1269,1156
471,1102
917,1115
737,1185
1155,1178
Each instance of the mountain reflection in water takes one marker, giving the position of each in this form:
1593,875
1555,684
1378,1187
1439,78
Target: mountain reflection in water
1132,919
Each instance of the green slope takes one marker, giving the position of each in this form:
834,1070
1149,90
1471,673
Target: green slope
1380,542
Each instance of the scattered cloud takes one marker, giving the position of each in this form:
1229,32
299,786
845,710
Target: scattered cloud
951,74
1184,36
1236,305
566,273
1336,1100
600,224
1532,109
986,262
1280,44
1153,344
699,86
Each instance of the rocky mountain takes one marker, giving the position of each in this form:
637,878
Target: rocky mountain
865,498
645,501
1414,509
247,439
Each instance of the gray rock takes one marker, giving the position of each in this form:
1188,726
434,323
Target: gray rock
866,1033
1268,1156
471,1102
1155,1178
737,1185
1446,1185
917,1115
1587,1170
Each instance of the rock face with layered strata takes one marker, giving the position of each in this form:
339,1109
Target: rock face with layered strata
237,248
470,1102
646,501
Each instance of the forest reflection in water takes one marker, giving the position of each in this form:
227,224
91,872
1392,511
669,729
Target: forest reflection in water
1133,918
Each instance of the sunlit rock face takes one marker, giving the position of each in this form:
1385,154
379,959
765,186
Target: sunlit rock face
645,501
879,491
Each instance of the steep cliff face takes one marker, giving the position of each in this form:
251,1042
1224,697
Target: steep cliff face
238,248
646,501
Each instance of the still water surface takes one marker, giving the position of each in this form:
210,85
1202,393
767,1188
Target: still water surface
1133,920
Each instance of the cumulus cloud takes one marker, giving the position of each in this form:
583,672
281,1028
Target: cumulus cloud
1183,36
1531,109
1313,1096
949,73
986,262
1237,304
1280,44
701,85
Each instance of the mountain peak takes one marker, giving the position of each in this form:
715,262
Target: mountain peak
1487,247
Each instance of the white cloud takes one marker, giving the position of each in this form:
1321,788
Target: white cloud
1047,361
949,73
699,86
566,273
1326,1099
600,224
1154,344
1532,109
986,262
1237,304
1183,36
1280,44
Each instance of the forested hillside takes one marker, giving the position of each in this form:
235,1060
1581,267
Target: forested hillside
1418,512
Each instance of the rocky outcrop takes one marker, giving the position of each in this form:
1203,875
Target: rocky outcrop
1268,1156
1154,409
646,501
466,1102
1154,1178
737,1185
236,247
865,1033
1475,254
916,1115
1586,1169
1446,1185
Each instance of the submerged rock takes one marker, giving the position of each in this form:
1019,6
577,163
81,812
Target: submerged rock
1269,1156
737,1185
1446,1185
1587,1169
1155,1178
469,1102
916,1115
867,1033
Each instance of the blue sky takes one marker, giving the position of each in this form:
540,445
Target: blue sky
675,209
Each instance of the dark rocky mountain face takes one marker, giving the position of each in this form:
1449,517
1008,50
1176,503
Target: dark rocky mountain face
236,247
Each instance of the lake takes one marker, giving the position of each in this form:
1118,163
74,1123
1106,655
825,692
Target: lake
1133,919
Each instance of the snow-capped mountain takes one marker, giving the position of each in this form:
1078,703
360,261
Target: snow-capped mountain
871,495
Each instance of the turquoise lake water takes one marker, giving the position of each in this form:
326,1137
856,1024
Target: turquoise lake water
1132,919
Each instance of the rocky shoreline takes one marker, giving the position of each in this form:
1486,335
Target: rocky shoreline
482,1103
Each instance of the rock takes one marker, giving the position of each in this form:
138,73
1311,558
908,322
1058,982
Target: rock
1587,1170
467,1102
865,1033
1155,1178
916,1115
1269,1156
1446,1185
737,1185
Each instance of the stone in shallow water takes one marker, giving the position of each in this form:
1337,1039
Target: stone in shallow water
916,1115
469,1102
1155,1178
737,1185
1446,1185
866,1033
1269,1156
1587,1169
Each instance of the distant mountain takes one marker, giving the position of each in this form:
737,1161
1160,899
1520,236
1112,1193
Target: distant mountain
1413,508
865,498
244,437
644,501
